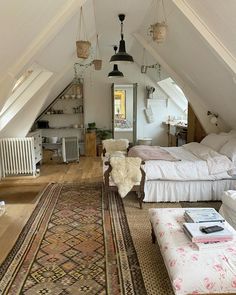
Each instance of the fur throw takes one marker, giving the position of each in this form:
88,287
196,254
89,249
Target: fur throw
112,145
125,173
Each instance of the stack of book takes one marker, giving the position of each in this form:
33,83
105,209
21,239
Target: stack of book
202,215
196,219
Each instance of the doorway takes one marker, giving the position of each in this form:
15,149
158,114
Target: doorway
124,111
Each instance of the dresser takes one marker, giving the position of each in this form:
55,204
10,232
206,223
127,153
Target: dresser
37,144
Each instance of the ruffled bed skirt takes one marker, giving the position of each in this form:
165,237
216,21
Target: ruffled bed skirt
192,191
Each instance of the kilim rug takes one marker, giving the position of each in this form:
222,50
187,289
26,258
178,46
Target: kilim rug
71,245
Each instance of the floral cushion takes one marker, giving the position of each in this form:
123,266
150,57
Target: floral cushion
193,271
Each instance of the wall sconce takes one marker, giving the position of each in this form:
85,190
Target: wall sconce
213,117
144,68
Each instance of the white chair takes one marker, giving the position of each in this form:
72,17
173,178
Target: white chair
114,145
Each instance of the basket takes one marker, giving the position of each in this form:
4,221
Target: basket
97,64
159,31
83,48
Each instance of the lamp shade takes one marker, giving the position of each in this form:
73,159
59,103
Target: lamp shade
121,55
115,73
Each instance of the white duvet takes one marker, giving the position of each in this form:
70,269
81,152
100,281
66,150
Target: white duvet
197,162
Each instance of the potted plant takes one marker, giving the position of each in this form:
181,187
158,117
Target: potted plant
103,134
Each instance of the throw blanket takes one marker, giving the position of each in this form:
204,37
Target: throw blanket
146,153
125,173
217,163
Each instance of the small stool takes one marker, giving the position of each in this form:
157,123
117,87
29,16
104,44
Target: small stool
228,207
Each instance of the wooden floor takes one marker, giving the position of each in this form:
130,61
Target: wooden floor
21,194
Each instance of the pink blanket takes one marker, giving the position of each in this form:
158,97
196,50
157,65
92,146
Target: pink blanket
146,153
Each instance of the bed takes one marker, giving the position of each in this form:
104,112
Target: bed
197,172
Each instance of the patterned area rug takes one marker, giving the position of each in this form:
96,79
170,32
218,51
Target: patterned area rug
71,245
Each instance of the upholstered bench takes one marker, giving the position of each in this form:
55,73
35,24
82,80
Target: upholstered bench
208,271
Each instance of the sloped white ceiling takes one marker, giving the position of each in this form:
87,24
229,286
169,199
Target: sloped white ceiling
185,50
198,65
219,16
21,21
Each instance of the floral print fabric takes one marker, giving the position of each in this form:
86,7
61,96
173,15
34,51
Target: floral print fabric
193,271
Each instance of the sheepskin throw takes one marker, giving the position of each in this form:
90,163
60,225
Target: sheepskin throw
125,173
112,145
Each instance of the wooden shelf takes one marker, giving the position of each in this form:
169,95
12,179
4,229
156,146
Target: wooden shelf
63,114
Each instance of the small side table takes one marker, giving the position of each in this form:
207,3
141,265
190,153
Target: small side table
90,144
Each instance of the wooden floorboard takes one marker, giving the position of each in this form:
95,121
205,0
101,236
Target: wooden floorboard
21,194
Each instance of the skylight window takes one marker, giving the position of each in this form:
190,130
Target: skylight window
21,80
174,92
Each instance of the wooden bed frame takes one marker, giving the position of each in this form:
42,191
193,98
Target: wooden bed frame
138,189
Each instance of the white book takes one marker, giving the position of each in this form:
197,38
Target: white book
193,231
202,215
214,245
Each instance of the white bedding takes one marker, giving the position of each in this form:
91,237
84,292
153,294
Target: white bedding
190,167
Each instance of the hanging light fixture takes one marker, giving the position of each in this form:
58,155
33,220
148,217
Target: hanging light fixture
115,73
121,55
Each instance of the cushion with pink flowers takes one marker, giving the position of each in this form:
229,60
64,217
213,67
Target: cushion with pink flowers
193,271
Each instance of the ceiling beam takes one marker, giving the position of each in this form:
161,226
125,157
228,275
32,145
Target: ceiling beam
207,34
196,102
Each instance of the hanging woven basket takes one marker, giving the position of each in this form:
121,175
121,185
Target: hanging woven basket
97,64
159,31
83,49
82,45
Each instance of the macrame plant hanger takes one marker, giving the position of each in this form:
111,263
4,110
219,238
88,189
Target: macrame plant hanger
159,29
82,46
97,62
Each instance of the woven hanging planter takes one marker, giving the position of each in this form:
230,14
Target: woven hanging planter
159,31
82,46
97,64
83,49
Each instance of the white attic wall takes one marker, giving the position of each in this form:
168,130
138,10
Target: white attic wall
97,89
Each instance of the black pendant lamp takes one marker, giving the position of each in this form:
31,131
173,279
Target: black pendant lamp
115,73
121,56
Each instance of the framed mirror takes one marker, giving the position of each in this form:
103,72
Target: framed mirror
124,111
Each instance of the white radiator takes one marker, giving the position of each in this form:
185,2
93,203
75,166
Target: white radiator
70,149
17,156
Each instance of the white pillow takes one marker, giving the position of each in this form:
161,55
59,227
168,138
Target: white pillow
229,150
200,150
215,141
